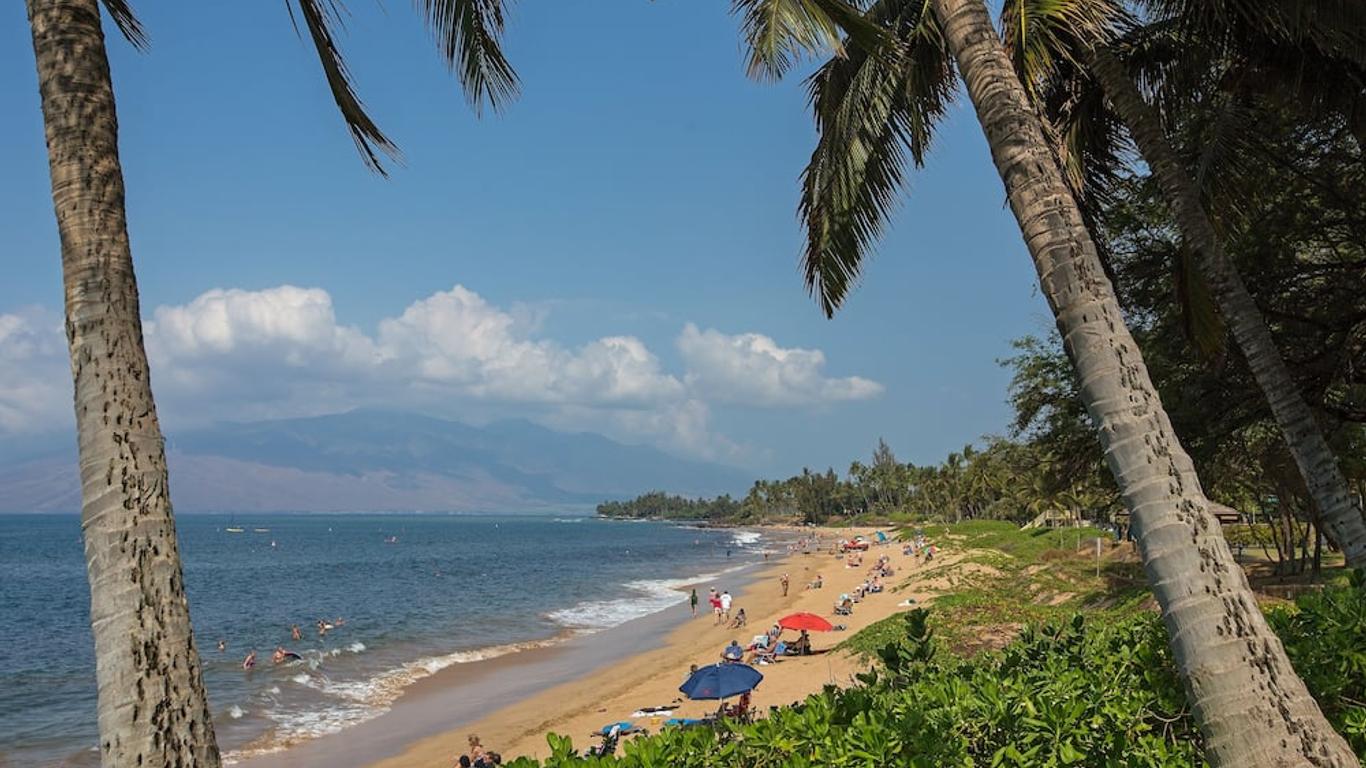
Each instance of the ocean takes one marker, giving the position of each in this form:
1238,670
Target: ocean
416,593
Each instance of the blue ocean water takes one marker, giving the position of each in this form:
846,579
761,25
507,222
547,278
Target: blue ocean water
417,593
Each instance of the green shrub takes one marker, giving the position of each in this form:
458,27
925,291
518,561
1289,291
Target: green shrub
1325,636
1079,692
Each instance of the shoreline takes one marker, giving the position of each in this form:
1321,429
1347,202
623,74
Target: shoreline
575,686
468,690
651,676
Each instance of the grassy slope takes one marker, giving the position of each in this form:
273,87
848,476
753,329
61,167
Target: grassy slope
1009,577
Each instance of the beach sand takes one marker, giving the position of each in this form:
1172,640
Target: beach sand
651,676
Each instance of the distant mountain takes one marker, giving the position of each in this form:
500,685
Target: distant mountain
376,461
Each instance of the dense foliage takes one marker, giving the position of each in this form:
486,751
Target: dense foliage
660,505
1083,691
1015,480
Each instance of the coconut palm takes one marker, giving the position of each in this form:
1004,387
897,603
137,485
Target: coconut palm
873,109
152,709
1059,45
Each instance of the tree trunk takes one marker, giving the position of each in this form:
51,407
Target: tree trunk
152,708
1252,708
1341,515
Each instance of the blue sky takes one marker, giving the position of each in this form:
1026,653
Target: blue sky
626,230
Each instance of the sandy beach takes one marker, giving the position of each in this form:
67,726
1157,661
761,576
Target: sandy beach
651,676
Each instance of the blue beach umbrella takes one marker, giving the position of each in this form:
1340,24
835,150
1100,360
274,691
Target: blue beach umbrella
721,681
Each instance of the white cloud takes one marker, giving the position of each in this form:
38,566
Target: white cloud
241,355
751,369
296,325
35,377
459,339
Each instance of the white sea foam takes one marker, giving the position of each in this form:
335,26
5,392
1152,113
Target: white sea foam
356,647
746,538
236,712
646,596
351,702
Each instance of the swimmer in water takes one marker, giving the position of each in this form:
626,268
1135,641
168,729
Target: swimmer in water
279,656
250,661
323,627
222,645
295,634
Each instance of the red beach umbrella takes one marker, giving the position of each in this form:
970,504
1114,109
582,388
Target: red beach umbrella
807,621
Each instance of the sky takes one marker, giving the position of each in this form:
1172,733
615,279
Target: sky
616,252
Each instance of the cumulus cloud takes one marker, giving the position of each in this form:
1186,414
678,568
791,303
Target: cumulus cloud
297,325
240,355
459,339
751,369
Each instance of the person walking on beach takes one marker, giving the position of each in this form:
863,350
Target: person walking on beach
476,753
692,601
785,582
725,604
715,601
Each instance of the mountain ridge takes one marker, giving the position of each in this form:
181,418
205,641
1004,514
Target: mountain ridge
379,460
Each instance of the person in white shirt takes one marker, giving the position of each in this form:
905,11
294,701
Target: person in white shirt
725,604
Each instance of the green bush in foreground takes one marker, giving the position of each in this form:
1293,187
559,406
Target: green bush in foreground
1073,693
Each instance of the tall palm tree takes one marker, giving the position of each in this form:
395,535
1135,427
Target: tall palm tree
1051,38
873,107
152,709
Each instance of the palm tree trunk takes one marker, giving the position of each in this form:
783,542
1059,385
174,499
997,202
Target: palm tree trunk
152,708
1252,708
1341,516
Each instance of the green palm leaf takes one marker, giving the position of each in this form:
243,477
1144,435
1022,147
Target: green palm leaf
872,109
779,33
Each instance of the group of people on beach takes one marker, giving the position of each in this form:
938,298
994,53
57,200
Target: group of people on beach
281,654
769,647
720,604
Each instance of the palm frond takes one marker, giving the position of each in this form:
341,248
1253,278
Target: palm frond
127,22
468,34
780,33
872,111
1042,36
1200,320
319,18
1334,27
1227,169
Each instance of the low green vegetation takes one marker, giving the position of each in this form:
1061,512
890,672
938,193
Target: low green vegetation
1081,675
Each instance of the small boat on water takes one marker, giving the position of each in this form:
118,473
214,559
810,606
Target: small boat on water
235,529
261,530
